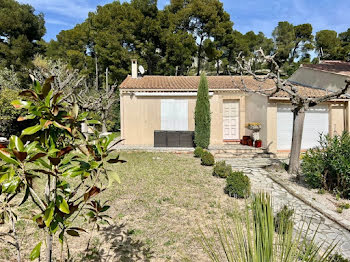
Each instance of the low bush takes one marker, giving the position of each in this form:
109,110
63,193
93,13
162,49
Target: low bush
221,169
337,258
207,159
198,151
237,185
328,165
283,220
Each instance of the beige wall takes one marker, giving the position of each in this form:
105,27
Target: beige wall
256,107
140,116
337,119
271,123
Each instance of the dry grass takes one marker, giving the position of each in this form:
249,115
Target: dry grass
155,212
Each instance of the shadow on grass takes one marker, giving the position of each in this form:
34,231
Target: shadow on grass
121,246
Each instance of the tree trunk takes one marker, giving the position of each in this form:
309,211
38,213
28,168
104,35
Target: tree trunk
199,57
104,125
217,67
96,69
298,125
49,247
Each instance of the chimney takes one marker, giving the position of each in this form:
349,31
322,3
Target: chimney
133,68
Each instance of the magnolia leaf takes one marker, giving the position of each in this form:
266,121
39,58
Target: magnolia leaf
73,233
21,104
92,192
75,110
37,156
64,151
35,252
47,86
20,155
49,212
16,143
56,124
32,77
45,123
29,93
37,86
6,156
64,206
54,160
55,97
60,236
31,130
25,196
27,117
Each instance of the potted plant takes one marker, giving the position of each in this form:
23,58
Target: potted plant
255,127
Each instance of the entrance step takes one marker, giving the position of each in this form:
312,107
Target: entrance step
239,151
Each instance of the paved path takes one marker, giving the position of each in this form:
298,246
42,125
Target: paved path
328,230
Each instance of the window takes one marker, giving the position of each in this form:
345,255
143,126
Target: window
174,114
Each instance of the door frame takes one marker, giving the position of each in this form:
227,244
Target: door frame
238,101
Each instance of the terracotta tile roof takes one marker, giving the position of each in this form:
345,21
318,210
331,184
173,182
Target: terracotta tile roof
175,83
331,66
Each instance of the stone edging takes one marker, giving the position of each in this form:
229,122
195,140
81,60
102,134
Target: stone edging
327,213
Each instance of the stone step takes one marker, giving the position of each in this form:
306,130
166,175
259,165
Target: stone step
243,155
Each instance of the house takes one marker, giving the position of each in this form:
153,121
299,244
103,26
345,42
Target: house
152,103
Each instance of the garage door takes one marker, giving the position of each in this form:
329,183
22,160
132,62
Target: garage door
316,122
174,114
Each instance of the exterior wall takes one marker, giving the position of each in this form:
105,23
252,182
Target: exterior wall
256,111
337,118
271,123
318,79
140,116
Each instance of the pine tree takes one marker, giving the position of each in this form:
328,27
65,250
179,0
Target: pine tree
202,115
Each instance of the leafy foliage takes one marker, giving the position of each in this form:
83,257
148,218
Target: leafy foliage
20,30
222,170
238,185
283,220
198,151
207,159
251,237
202,115
54,151
327,165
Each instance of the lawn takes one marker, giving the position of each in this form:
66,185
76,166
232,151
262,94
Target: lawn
156,211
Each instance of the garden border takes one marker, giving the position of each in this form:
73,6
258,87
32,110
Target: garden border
327,213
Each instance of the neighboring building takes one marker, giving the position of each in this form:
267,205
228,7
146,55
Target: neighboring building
327,74
152,103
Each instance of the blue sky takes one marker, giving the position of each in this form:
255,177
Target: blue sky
256,15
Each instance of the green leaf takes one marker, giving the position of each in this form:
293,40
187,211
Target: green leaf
21,104
93,122
35,252
109,139
60,236
48,216
16,142
72,233
31,130
11,185
64,206
6,156
47,86
37,86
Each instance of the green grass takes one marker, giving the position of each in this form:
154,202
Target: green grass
155,211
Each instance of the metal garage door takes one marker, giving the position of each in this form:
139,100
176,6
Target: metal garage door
316,122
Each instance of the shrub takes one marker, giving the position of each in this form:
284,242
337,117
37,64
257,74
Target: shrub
202,115
283,220
198,151
237,185
328,165
207,159
337,258
221,169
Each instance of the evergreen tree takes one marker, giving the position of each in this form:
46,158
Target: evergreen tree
202,115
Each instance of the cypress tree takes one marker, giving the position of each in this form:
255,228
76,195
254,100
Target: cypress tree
202,115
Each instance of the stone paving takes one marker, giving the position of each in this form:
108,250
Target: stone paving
328,230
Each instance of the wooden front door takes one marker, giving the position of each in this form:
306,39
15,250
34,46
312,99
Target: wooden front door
231,120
